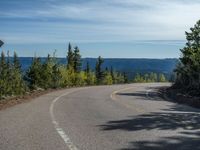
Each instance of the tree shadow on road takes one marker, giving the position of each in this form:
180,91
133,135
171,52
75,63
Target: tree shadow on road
182,142
166,120
156,120
136,95
151,93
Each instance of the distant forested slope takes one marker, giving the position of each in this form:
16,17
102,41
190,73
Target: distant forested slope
130,66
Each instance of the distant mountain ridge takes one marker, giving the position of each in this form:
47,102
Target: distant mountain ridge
137,64
127,65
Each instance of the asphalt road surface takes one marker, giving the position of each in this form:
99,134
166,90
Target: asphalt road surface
119,117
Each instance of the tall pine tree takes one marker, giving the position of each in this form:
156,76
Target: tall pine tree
112,75
77,60
19,86
46,74
188,70
56,76
98,70
70,57
87,70
3,75
34,73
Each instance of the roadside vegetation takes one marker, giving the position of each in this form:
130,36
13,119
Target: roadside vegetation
188,69
48,73
186,88
149,77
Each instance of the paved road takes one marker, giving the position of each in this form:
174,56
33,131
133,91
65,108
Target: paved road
120,117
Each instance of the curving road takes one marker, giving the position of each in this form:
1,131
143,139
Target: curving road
119,117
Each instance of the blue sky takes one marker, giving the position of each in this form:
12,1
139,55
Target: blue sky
110,28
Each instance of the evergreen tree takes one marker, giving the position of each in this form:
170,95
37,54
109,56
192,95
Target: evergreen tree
9,75
70,57
56,73
90,76
188,70
3,75
34,73
11,79
99,73
18,85
56,76
16,62
112,75
46,73
87,70
77,60
2,61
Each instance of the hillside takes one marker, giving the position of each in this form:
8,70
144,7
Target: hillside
130,66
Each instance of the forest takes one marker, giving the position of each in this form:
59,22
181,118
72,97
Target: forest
50,74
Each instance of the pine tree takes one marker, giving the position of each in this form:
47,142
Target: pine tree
3,75
88,74
46,74
77,60
99,73
188,70
56,73
34,73
70,57
16,62
9,75
112,75
56,76
87,70
18,85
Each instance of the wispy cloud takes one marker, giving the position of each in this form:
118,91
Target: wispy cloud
99,20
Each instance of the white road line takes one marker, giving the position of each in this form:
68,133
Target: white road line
59,130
